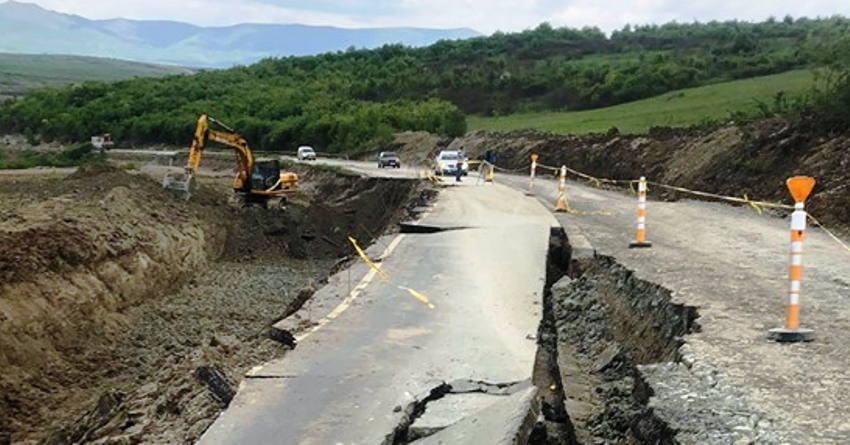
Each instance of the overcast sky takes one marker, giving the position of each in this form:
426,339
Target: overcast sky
485,16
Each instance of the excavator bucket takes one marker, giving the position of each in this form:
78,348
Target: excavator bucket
183,183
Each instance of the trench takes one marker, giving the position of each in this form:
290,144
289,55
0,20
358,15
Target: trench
600,324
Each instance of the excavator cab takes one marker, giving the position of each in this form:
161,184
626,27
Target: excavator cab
267,185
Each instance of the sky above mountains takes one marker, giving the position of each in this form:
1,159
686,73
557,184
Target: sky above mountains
485,16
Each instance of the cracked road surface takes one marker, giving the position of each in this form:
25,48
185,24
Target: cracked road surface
346,381
732,264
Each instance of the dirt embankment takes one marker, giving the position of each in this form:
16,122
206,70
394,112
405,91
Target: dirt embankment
754,158
116,297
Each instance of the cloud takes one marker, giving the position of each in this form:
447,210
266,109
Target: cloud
482,15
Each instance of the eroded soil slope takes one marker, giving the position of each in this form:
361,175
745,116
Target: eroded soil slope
115,297
753,159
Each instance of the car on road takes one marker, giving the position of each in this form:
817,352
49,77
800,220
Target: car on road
449,161
306,153
388,159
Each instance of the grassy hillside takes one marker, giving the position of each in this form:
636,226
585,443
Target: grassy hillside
20,73
353,101
677,108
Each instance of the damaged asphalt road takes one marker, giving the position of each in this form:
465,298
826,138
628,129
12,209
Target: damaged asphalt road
353,379
730,383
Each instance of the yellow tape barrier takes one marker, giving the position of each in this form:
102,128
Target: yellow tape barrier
369,262
755,205
832,235
418,295
744,200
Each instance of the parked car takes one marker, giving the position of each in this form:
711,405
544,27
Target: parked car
306,153
448,161
388,159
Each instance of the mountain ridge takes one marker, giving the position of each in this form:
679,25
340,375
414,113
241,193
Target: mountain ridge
31,29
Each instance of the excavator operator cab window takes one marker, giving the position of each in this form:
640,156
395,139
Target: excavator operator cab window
265,174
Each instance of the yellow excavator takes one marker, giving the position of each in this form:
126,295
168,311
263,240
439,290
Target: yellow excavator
256,182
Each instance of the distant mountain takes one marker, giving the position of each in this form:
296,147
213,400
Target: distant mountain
30,29
21,73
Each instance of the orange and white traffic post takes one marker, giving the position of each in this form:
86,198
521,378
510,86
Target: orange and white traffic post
530,191
640,238
800,187
561,204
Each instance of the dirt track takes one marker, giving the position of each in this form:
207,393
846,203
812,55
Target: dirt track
115,295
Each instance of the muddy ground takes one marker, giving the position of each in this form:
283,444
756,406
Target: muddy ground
128,315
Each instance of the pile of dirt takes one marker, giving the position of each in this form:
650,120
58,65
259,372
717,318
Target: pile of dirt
121,305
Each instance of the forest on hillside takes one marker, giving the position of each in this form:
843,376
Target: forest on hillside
355,100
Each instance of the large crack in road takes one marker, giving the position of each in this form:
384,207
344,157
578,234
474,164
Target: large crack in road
627,371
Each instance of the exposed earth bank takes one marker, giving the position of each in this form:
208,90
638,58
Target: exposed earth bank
127,315
752,158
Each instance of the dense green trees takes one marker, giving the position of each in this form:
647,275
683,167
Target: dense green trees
353,100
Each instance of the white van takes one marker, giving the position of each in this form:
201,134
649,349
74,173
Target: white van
306,153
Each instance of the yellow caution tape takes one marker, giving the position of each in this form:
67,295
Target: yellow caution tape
753,205
596,181
756,205
743,200
418,295
366,260
512,170
832,235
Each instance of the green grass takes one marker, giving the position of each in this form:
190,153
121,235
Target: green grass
688,107
20,73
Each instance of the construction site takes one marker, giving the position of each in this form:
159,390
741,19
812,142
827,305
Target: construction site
130,314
